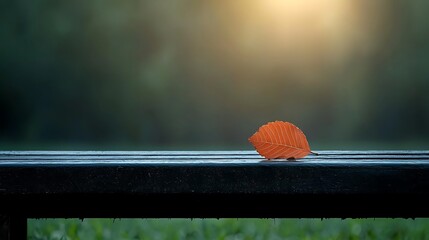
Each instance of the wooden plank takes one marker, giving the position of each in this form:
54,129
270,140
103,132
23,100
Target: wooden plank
19,168
197,157
192,153
149,174
214,184
217,161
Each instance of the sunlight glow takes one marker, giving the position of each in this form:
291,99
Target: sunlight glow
308,34
299,23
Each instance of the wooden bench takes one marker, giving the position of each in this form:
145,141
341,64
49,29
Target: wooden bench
194,184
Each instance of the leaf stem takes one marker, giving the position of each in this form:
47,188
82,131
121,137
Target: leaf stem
315,153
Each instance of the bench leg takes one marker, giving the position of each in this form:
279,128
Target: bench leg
13,227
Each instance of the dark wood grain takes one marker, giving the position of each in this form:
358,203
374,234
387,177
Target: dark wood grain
214,184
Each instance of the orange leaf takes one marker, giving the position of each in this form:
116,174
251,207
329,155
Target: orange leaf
280,140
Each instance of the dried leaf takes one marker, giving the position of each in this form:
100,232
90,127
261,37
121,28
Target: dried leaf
280,140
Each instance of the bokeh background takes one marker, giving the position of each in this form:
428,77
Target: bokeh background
189,74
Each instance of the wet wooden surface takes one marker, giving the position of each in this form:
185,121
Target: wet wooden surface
214,184
229,172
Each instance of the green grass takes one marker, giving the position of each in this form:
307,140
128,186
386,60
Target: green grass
227,229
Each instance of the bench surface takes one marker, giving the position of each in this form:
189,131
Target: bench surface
214,184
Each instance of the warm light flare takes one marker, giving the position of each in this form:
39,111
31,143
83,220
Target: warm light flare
305,21
308,35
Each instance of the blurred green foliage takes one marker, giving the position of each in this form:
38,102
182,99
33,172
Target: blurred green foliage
227,229
209,73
